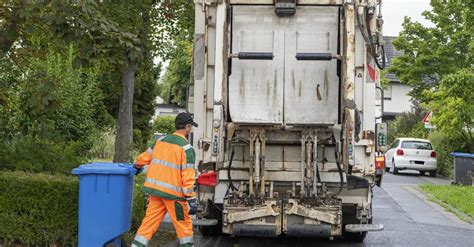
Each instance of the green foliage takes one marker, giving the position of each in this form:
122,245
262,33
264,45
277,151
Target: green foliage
437,63
175,23
140,203
42,210
459,197
44,102
444,144
178,74
409,124
103,146
38,209
144,104
179,23
164,124
431,53
453,104
27,153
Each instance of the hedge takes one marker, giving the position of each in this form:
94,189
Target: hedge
39,155
41,210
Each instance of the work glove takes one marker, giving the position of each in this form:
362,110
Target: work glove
192,206
138,169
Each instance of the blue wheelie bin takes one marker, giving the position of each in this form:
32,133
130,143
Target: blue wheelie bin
105,202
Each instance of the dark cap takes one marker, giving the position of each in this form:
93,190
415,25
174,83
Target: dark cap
184,118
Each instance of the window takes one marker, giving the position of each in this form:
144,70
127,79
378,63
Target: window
417,145
395,144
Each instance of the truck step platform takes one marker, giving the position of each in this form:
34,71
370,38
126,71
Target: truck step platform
364,227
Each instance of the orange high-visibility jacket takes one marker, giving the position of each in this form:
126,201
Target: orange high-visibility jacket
171,173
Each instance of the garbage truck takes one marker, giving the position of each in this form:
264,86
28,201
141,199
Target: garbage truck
285,93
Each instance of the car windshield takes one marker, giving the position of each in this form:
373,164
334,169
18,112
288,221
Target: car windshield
416,145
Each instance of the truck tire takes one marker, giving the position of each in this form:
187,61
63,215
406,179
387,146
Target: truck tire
208,231
215,212
357,237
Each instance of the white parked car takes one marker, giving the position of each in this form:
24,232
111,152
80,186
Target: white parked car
411,154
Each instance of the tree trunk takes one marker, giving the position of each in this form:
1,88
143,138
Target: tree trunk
124,138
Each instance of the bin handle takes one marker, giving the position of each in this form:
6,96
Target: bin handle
128,165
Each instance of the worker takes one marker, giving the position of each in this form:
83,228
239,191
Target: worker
169,183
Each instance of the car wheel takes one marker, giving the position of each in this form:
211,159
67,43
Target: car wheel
432,173
422,173
394,168
387,169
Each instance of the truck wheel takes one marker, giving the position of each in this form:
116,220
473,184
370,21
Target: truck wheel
215,212
432,173
357,237
208,231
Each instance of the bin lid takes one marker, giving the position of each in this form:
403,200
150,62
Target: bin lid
104,168
462,155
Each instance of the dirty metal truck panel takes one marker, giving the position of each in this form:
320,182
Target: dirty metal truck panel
256,86
278,89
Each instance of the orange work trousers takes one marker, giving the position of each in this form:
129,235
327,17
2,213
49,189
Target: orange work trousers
156,211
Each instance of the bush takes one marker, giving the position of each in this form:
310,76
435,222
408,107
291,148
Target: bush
444,144
103,147
41,209
442,147
36,155
38,209
164,124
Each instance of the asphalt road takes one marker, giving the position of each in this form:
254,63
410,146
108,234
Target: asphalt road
408,218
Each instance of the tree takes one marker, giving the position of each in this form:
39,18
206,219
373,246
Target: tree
123,37
180,22
177,76
453,104
99,35
437,62
431,53
409,124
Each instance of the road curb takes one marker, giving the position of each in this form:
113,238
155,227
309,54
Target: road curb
420,194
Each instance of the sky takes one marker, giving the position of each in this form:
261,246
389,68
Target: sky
394,11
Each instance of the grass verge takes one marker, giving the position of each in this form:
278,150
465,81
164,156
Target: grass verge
456,199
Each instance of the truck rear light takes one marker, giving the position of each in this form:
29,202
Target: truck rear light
400,152
433,154
379,162
208,179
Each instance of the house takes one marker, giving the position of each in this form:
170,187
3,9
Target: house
396,99
163,109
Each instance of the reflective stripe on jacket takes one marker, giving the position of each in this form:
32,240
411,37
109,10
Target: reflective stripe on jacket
171,173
